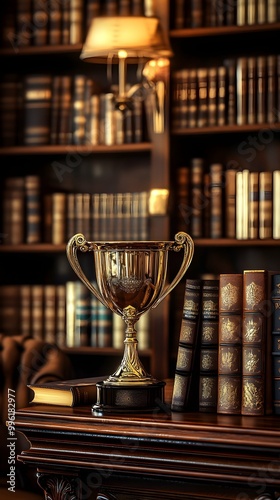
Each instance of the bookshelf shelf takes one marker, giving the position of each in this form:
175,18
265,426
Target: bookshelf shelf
217,31
72,148
227,129
230,242
41,50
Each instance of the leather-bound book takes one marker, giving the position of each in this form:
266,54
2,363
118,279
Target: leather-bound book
182,198
55,23
202,110
230,202
33,223
76,21
78,109
37,109
64,135
252,90
265,205
49,313
242,90
40,22
254,342
23,23
262,90
221,96
212,96
271,89
208,375
231,111
196,13
193,98
275,297
229,343
253,205
276,204
196,195
216,200
187,345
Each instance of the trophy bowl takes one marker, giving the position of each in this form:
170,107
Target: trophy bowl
131,279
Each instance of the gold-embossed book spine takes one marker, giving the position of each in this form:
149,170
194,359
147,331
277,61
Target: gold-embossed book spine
187,343
229,343
254,342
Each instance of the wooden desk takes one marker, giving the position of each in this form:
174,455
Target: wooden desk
164,455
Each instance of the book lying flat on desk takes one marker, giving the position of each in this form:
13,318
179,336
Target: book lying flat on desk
75,392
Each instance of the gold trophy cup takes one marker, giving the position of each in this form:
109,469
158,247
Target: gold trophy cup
131,279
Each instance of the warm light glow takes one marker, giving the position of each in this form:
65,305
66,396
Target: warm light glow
138,36
122,54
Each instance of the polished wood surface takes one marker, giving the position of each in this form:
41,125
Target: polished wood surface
143,454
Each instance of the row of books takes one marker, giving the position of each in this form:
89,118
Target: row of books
228,358
30,216
215,202
67,315
56,22
198,13
245,90
64,109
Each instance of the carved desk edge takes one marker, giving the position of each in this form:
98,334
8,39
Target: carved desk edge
64,442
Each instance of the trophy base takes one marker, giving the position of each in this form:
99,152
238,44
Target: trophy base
129,398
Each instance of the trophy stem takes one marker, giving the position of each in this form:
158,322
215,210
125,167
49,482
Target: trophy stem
131,368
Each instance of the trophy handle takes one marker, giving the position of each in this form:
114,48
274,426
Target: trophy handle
182,240
78,241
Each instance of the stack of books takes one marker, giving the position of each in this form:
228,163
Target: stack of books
228,357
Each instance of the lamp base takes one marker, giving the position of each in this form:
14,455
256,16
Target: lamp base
129,398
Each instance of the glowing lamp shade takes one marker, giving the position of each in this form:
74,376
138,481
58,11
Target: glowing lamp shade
137,36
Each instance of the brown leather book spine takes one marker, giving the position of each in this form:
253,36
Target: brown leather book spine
193,98
212,96
253,205
208,376
221,96
216,200
187,343
197,203
231,111
58,218
229,343
265,205
230,202
271,89
64,118
254,342
275,326
78,110
196,13
55,23
76,21
252,90
202,84
37,109
262,92
40,22
241,91
33,209
182,201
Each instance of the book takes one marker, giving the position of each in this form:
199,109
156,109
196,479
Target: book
229,343
196,197
187,343
208,369
230,202
276,204
275,297
37,109
241,91
216,200
75,392
265,205
253,205
254,342
261,86
214,93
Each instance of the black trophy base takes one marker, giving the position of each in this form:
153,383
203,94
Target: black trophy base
129,398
